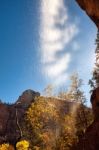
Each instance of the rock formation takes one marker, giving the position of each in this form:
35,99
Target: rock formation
12,115
26,98
91,7
90,140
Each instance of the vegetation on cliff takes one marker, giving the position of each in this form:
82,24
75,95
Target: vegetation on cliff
53,123
58,123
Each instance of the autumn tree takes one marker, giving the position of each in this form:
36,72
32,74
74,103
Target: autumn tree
81,112
50,125
53,123
42,118
48,90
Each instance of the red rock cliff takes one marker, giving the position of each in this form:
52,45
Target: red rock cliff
91,7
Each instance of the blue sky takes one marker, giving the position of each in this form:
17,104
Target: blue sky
43,42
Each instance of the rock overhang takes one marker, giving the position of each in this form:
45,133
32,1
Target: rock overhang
91,7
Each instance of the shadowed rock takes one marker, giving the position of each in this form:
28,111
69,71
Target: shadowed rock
90,141
91,7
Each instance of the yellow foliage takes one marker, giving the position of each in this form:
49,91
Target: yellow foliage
50,125
6,147
36,148
22,145
41,113
43,118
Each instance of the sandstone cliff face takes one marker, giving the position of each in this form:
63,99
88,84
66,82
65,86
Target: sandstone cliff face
3,114
90,140
12,115
91,7
27,97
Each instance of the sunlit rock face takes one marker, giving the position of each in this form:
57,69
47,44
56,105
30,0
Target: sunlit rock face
91,7
27,97
10,114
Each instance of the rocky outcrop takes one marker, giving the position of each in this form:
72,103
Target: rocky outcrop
90,140
91,7
26,98
12,115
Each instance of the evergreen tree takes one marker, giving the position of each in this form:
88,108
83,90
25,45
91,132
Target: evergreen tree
94,82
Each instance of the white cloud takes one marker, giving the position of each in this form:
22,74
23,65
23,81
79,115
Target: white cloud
59,67
61,80
55,34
